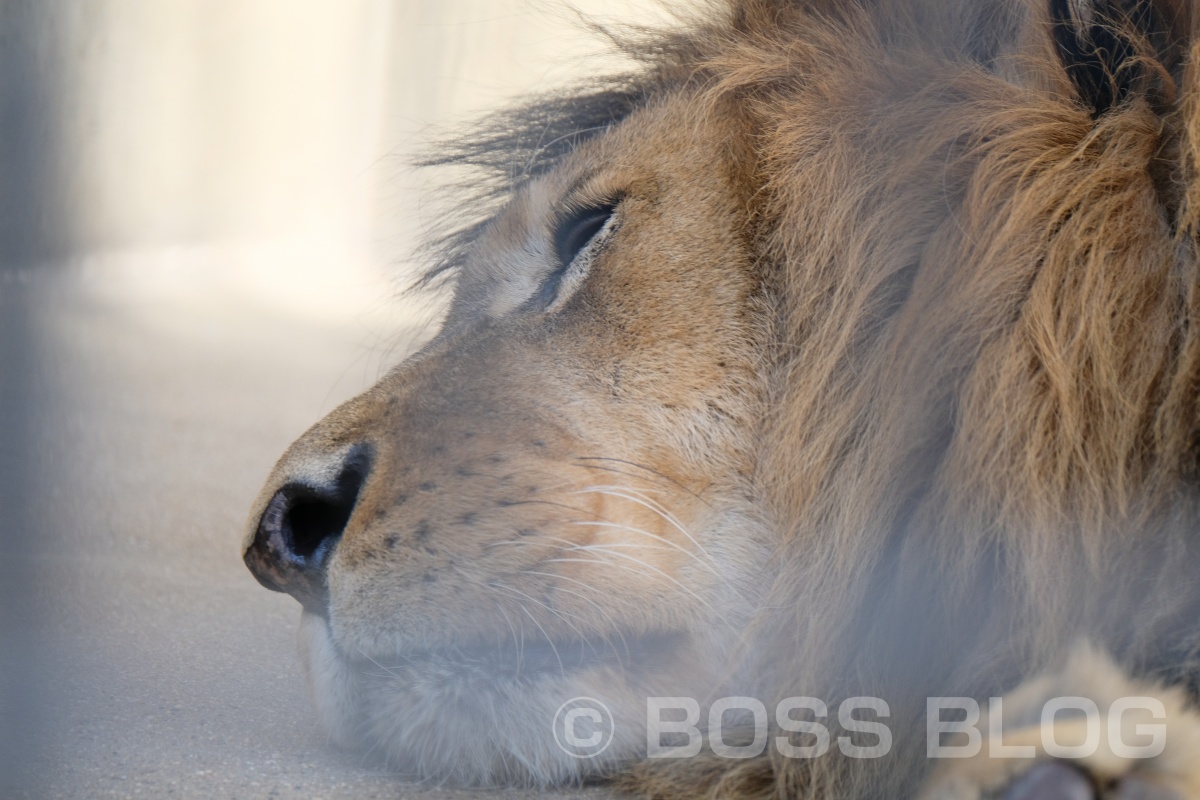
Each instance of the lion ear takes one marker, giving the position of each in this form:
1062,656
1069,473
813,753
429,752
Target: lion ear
1114,49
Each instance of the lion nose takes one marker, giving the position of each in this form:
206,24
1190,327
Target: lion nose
300,528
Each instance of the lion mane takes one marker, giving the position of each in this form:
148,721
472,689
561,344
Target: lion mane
973,228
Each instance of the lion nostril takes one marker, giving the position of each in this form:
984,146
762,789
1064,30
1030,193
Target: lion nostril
300,529
315,524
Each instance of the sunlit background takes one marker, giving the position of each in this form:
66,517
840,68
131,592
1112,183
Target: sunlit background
205,215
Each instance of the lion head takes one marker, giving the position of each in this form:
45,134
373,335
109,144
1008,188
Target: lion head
844,348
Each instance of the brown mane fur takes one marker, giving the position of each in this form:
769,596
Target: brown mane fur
992,451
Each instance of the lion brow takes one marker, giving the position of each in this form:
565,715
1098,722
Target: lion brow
505,150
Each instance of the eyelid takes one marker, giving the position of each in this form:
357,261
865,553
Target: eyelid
576,229
548,294
577,199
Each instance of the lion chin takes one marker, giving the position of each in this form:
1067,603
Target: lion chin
466,717
837,368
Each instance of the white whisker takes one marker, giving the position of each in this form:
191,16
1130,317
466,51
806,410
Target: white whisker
561,669
650,567
632,496
672,545
608,617
498,587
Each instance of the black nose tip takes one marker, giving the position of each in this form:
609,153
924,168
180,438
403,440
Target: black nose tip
299,531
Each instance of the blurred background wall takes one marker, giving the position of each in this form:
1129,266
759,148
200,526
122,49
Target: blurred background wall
149,123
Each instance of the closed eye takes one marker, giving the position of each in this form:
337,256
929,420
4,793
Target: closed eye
574,232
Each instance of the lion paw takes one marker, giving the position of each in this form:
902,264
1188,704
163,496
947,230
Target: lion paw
1085,732
1062,780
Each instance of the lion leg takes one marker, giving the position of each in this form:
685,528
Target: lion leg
1148,747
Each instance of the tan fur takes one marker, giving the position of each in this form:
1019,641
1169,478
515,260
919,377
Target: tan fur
883,383
1086,673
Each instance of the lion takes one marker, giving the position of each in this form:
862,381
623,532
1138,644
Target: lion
836,370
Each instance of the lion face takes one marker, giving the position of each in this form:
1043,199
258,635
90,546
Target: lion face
538,505
854,354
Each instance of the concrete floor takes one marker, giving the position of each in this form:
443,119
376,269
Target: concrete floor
144,398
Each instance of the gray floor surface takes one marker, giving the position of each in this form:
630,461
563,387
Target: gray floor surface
140,409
